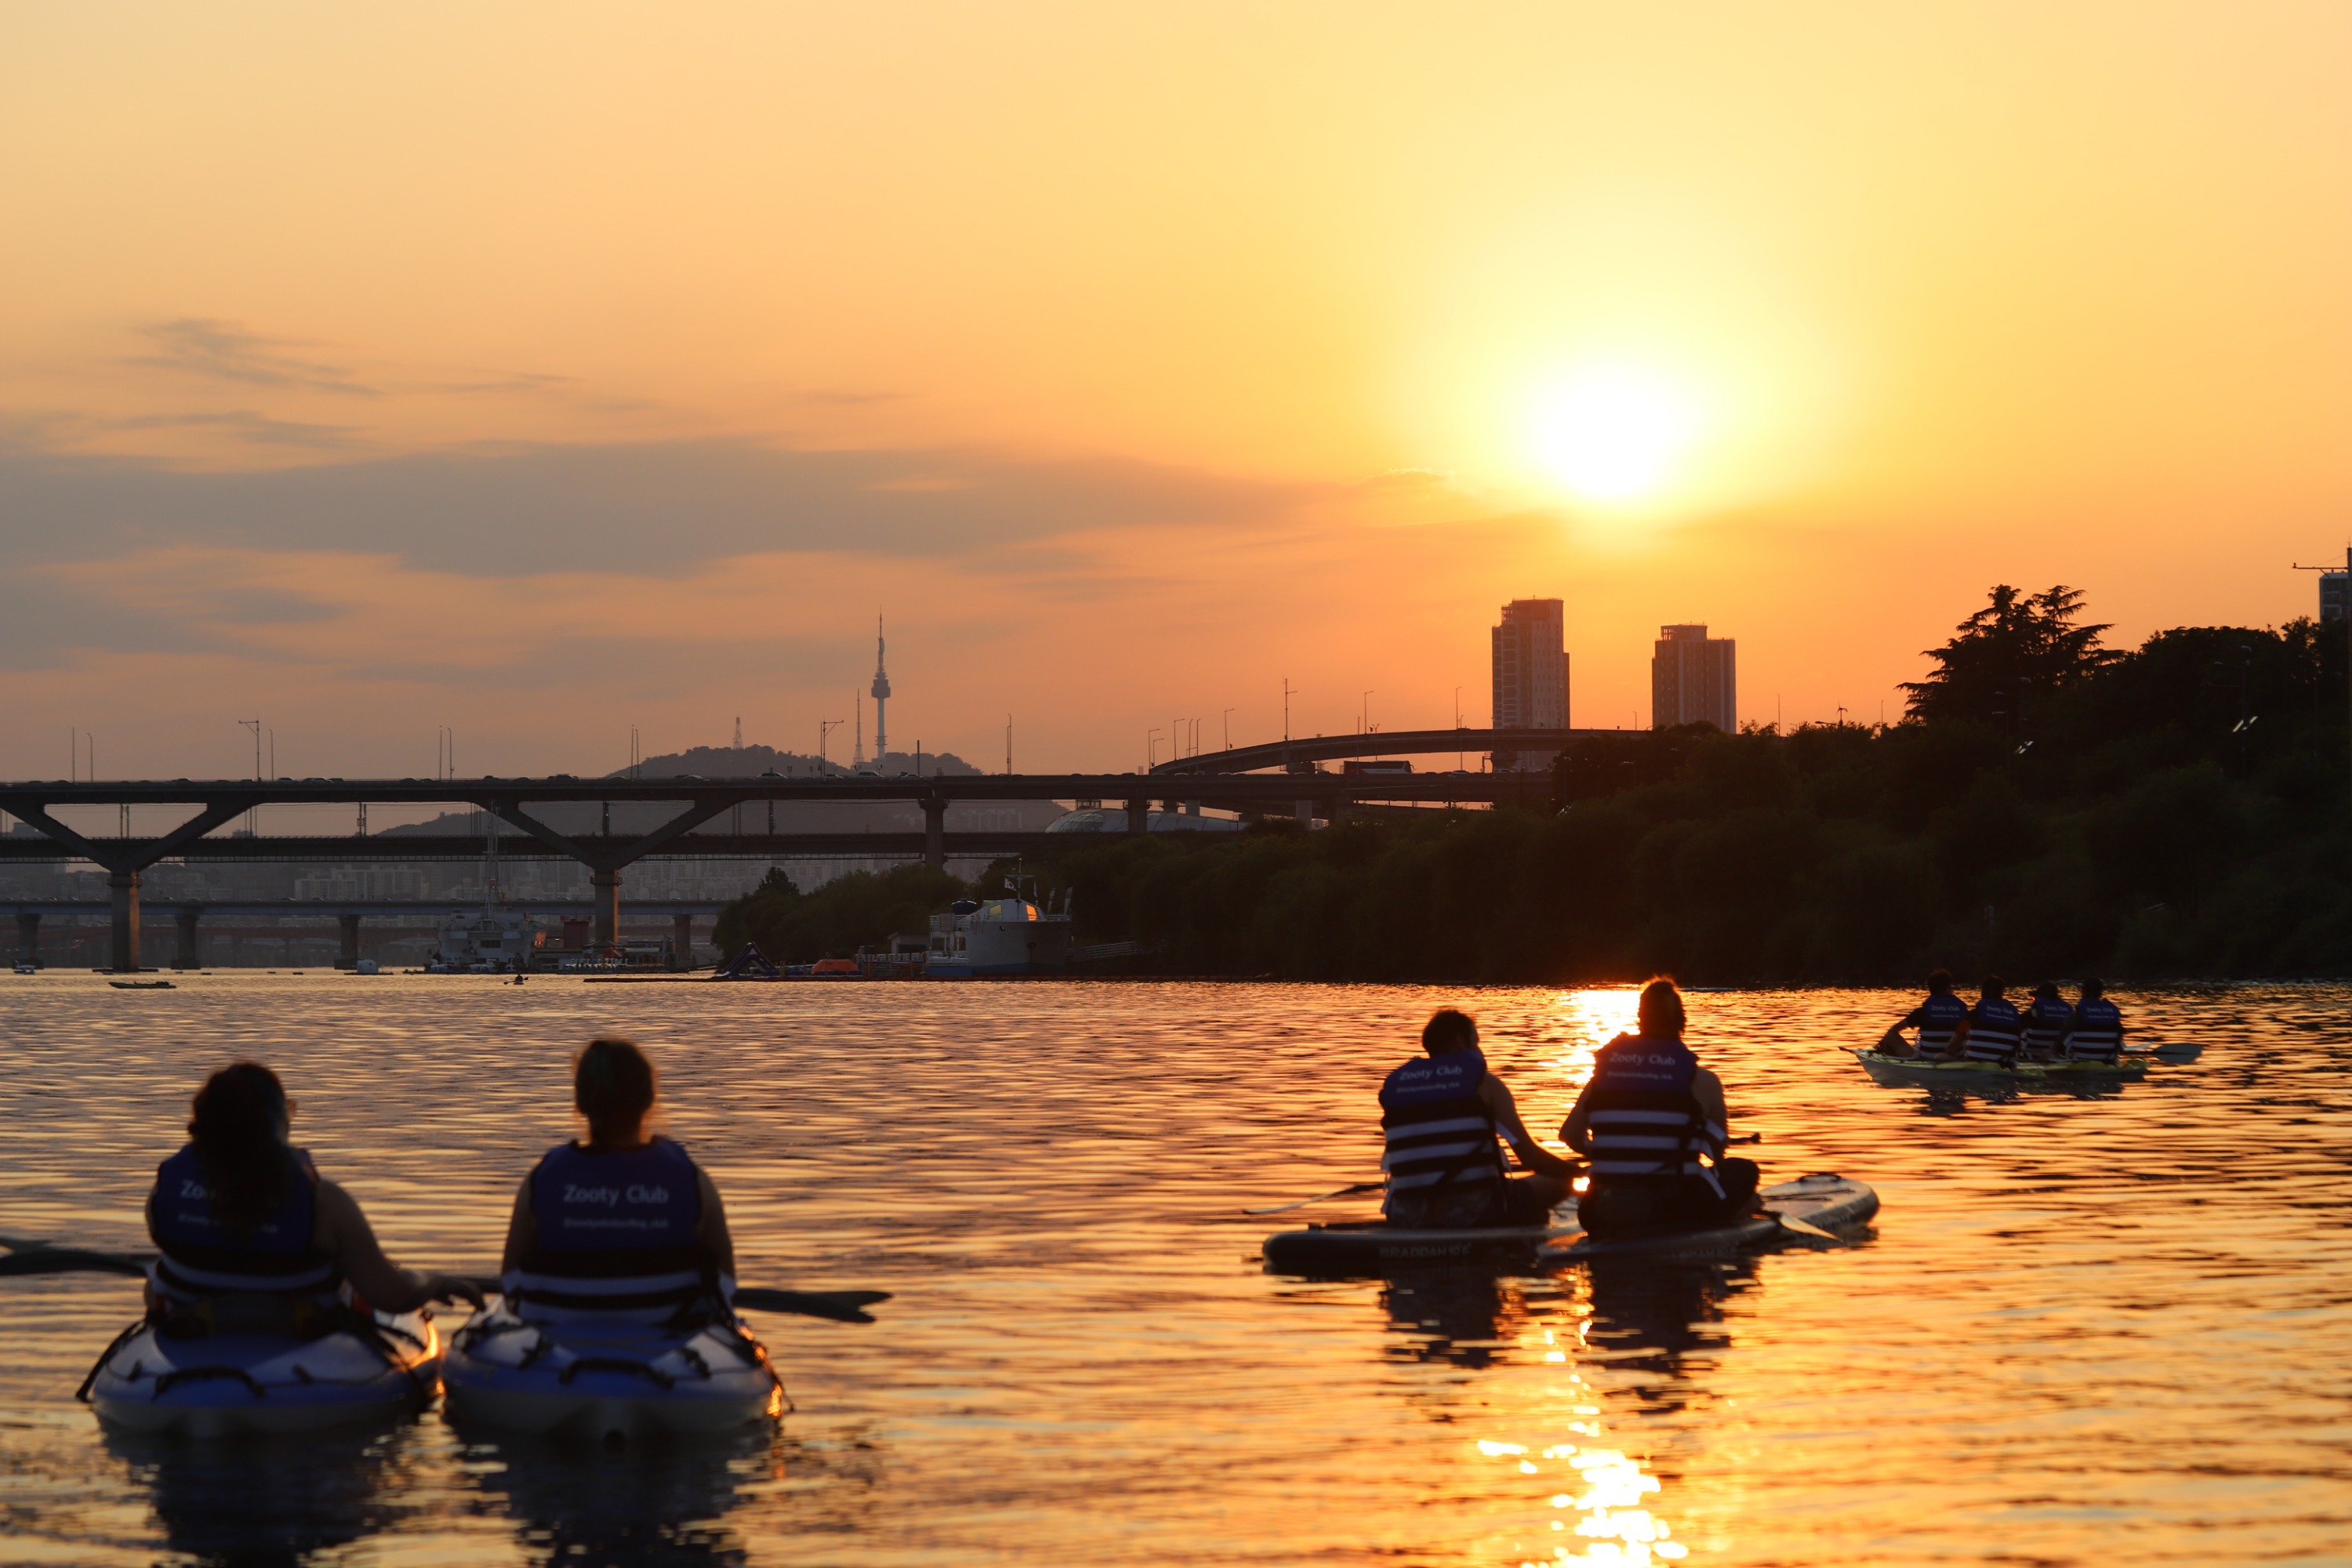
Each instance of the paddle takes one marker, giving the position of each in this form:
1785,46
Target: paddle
1803,1228
1325,1197
30,1257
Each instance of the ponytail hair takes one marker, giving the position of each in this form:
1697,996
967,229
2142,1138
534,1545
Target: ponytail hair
238,1124
613,1085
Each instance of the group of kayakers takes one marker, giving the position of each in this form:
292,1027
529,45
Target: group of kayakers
1997,1032
1650,1124
619,1226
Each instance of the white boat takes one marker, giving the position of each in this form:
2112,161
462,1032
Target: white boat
1007,935
487,941
228,1384
602,1381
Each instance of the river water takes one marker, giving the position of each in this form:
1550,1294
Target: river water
2109,1330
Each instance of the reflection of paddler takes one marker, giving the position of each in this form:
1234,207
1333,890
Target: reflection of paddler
1441,1116
262,1499
1652,1123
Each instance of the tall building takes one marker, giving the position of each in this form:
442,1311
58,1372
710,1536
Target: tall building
1530,675
1693,678
2332,596
881,695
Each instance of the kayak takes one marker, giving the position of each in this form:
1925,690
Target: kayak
1824,1200
1992,1078
606,1380
1369,1248
228,1385
1373,1247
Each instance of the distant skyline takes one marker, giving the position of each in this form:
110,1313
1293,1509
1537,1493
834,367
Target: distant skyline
541,372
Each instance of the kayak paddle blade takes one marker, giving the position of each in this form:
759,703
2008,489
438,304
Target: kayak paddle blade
1802,1227
837,1306
69,1261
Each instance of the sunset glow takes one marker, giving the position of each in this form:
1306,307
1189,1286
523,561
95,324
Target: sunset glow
1616,433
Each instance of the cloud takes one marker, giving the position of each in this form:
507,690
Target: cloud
226,351
250,423
648,510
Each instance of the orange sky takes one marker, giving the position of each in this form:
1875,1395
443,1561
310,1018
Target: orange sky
547,370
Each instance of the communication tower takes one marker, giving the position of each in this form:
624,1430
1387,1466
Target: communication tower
881,695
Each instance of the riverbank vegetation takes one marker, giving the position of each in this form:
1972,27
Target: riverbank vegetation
2049,807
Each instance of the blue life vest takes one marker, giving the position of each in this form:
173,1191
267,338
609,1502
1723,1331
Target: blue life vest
1993,1026
203,1255
1437,1131
1939,1020
2045,1025
613,1235
1643,1119
2098,1033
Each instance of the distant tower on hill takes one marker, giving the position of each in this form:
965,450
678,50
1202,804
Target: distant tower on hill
1693,678
881,695
1530,675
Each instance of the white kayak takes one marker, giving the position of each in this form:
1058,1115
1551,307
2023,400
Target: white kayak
606,1380
1374,1247
226,1384
1983,1078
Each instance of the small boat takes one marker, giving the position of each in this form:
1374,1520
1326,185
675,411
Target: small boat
1991,1078
223,1385
28,969
608,1380
1012,934
1375,1249
143,984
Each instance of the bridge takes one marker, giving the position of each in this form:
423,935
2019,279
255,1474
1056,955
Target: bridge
1538,746
214,803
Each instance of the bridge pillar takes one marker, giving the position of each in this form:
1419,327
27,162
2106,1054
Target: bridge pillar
935,833
349,958
1304,810
604,896
682,943
1139,816
187,957
123,887
29,936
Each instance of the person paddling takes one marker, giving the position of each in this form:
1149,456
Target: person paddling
1441,1115
1993,1025
621,1227
1942,1021
252,1239
2046,1023
1654,1125
2097,1035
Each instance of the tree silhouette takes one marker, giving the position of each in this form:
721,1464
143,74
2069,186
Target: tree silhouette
2018,648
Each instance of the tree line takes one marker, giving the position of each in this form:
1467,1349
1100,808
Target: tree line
2047,806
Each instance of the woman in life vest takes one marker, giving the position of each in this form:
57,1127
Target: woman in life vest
1652,1125
252,1239
1942,1021
1441,1114
622,1225
2096,1034
2046,1023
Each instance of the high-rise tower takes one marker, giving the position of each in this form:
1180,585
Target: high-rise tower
1693,678
1530,675
881,695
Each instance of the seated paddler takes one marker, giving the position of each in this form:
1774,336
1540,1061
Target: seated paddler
1652,1125
2096,1032
620,1226
2048,1018
1442,1115
1942,1021
252,1239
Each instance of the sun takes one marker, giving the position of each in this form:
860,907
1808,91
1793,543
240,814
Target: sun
1616,434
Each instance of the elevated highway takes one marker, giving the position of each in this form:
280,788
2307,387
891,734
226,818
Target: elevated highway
1538,746
214,805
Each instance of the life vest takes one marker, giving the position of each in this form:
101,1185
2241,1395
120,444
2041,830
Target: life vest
2098,1033
1643,1119
204,1258
612,1237
1438,1132
1993,1027
1939,1020
2045,1024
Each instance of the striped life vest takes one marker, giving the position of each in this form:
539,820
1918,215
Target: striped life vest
1644,1120
1438,1132
203,1257
2045,1025
2098,1033
1993,1026
1939,1020
613,1238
